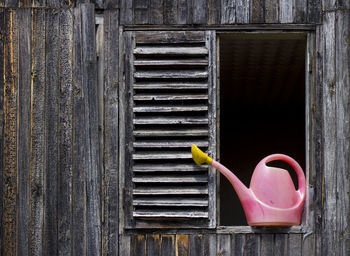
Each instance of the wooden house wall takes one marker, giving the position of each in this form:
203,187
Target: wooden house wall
59,170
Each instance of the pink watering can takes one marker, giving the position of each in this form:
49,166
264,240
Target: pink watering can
271,199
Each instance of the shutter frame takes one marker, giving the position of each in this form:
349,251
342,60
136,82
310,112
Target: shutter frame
152,60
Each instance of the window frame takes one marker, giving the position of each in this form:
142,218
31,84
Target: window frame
307,223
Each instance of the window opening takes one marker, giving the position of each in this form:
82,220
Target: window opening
262,107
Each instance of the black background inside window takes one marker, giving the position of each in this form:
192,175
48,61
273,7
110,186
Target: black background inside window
262,107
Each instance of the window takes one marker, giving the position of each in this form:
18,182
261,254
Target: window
262,107
170,101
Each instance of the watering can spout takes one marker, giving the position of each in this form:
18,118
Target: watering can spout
200,158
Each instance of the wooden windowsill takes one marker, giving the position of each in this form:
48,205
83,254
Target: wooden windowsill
261,230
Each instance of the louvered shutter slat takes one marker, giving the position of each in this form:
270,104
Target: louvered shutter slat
170,106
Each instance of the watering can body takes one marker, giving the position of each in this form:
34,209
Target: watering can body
271,199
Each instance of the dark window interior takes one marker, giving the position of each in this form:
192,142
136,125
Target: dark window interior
262,107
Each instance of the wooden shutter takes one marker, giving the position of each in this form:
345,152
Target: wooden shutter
169,104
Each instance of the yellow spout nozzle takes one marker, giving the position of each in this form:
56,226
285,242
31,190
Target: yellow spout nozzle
199,157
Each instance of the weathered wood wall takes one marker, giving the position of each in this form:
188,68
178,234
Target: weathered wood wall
58,196
203,12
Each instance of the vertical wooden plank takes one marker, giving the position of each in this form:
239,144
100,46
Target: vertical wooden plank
24,3
214,12
11,3
228,11
239,244
212,93
38,3
294,244
308,244
200,11
314,11
54,3
170,11
141,12
52,92
182,245
9,177
37,132
318,195
126,13
93,177
224,245
111,128
79,230
252,244
156,12
329,5
242,11
286,11
64,192
167,245
153,245
266,244
281,244
138,245
23,17
329,189
342,94
110,4
300,11
196,245
184,11
125,245
2,85
257,11
209,244
271,11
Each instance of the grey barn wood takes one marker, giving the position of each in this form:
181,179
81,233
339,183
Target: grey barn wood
66,126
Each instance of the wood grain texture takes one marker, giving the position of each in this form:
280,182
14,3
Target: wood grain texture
242,11
182,245
342,67
23,17
266,244
184,12
93,176
170,11
318,195
224,246
300,11
295,244
111,128
257,11
196,244
314,11
153,243
156,12
271,11
2,85
200,11
141,12
281,244
9,176
286,11
80,161
37,133
52,123
228,11
138,245
214,12
126,12
167,245
329,185
64,193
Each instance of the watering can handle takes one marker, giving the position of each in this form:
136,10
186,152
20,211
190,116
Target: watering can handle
296,167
